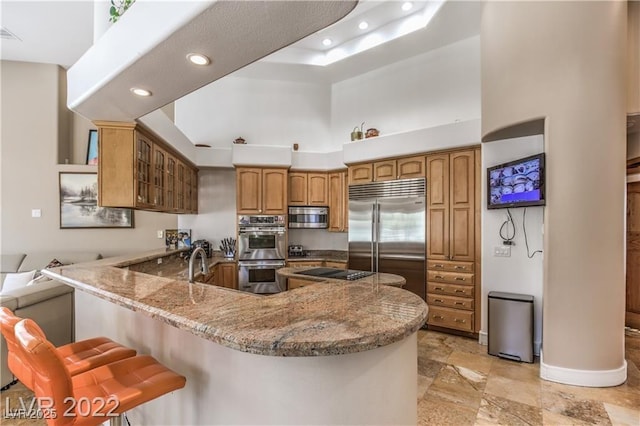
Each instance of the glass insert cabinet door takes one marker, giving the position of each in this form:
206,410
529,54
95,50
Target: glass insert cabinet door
144,170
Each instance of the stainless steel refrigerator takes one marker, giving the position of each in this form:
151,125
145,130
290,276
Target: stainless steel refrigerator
387,230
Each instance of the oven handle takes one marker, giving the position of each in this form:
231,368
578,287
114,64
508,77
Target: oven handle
264,263
261,231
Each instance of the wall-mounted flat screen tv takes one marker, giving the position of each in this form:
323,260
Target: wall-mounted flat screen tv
518,183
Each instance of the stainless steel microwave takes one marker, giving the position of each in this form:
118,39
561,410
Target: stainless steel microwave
308,217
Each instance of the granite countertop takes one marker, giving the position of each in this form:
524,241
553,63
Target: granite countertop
334,318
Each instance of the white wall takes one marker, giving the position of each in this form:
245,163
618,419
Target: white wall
216,218
30,134
518,273
434,88
263,112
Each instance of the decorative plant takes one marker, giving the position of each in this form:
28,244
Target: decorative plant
118,8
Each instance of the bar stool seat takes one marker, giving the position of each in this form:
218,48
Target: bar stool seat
113,388
78,357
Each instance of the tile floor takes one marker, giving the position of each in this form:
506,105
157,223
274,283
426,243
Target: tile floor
460,384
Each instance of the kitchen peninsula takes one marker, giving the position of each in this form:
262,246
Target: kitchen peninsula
340,352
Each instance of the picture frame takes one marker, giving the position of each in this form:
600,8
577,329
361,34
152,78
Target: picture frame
92,148
79,208
177,238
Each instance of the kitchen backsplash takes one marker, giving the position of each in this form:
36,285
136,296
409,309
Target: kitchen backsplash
319,239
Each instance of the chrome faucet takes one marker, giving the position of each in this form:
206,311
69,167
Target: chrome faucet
204,267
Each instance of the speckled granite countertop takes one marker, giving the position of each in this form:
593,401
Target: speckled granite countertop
331,319
375,279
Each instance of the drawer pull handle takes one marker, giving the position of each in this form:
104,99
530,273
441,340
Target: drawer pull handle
460,279
460,303
438,300
460,320
438,317
459,291
438,265
460,267
439,288
439,277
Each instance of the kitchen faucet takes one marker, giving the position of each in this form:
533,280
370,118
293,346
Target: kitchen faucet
204,268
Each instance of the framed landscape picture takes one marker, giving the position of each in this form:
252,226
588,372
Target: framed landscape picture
79,204
92,148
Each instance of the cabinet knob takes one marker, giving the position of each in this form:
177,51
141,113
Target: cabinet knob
438,317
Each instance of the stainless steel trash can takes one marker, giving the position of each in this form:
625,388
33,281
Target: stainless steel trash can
511,326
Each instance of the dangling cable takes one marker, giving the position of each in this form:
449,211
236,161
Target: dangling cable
506,239
524,229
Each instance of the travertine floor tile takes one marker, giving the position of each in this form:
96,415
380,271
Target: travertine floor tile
622,395
571,405
458,385
428,367
477,362
551,419
622,416
423,385
515,370
495,410
436,412
514,390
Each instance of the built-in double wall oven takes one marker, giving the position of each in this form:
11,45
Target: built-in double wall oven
262,247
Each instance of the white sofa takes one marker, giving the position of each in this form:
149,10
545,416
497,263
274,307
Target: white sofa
48,302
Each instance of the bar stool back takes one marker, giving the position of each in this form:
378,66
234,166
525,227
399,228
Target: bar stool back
106,391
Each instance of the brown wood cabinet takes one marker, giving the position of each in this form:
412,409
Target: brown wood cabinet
379,171
261,190
139,170
360,173
308,189
338,202
453,254
226,275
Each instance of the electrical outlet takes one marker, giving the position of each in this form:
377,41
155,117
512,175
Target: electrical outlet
36,212
160,234
502,251
159,260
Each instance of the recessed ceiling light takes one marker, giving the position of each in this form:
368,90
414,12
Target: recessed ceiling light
363,25
407,6
140,92
198,59
327,42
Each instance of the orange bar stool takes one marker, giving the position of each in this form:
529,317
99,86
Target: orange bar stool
78,357
106,391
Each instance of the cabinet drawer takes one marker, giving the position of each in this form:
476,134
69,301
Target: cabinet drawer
451,318
446,265
450,289
450,301
449,277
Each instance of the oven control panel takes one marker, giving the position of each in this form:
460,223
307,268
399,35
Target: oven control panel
268,220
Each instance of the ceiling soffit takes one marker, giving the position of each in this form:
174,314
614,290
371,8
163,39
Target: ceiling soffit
139,52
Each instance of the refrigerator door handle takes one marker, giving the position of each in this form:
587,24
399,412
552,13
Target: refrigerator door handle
377,225
373,236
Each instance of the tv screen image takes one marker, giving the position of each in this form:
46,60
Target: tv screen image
518,183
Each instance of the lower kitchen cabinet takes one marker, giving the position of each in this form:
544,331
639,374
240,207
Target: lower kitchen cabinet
226,275
339,265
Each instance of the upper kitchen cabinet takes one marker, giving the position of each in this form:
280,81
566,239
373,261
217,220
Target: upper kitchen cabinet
451,205
261,190
136,169
338,202
379,171
308,189
360,173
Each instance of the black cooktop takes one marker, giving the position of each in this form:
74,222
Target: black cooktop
340,274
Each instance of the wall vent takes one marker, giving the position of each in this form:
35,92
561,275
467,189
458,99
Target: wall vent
5,34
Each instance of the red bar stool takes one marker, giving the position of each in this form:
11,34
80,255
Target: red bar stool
78,357
111,389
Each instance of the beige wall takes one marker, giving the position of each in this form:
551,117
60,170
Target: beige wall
566,61
32,127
